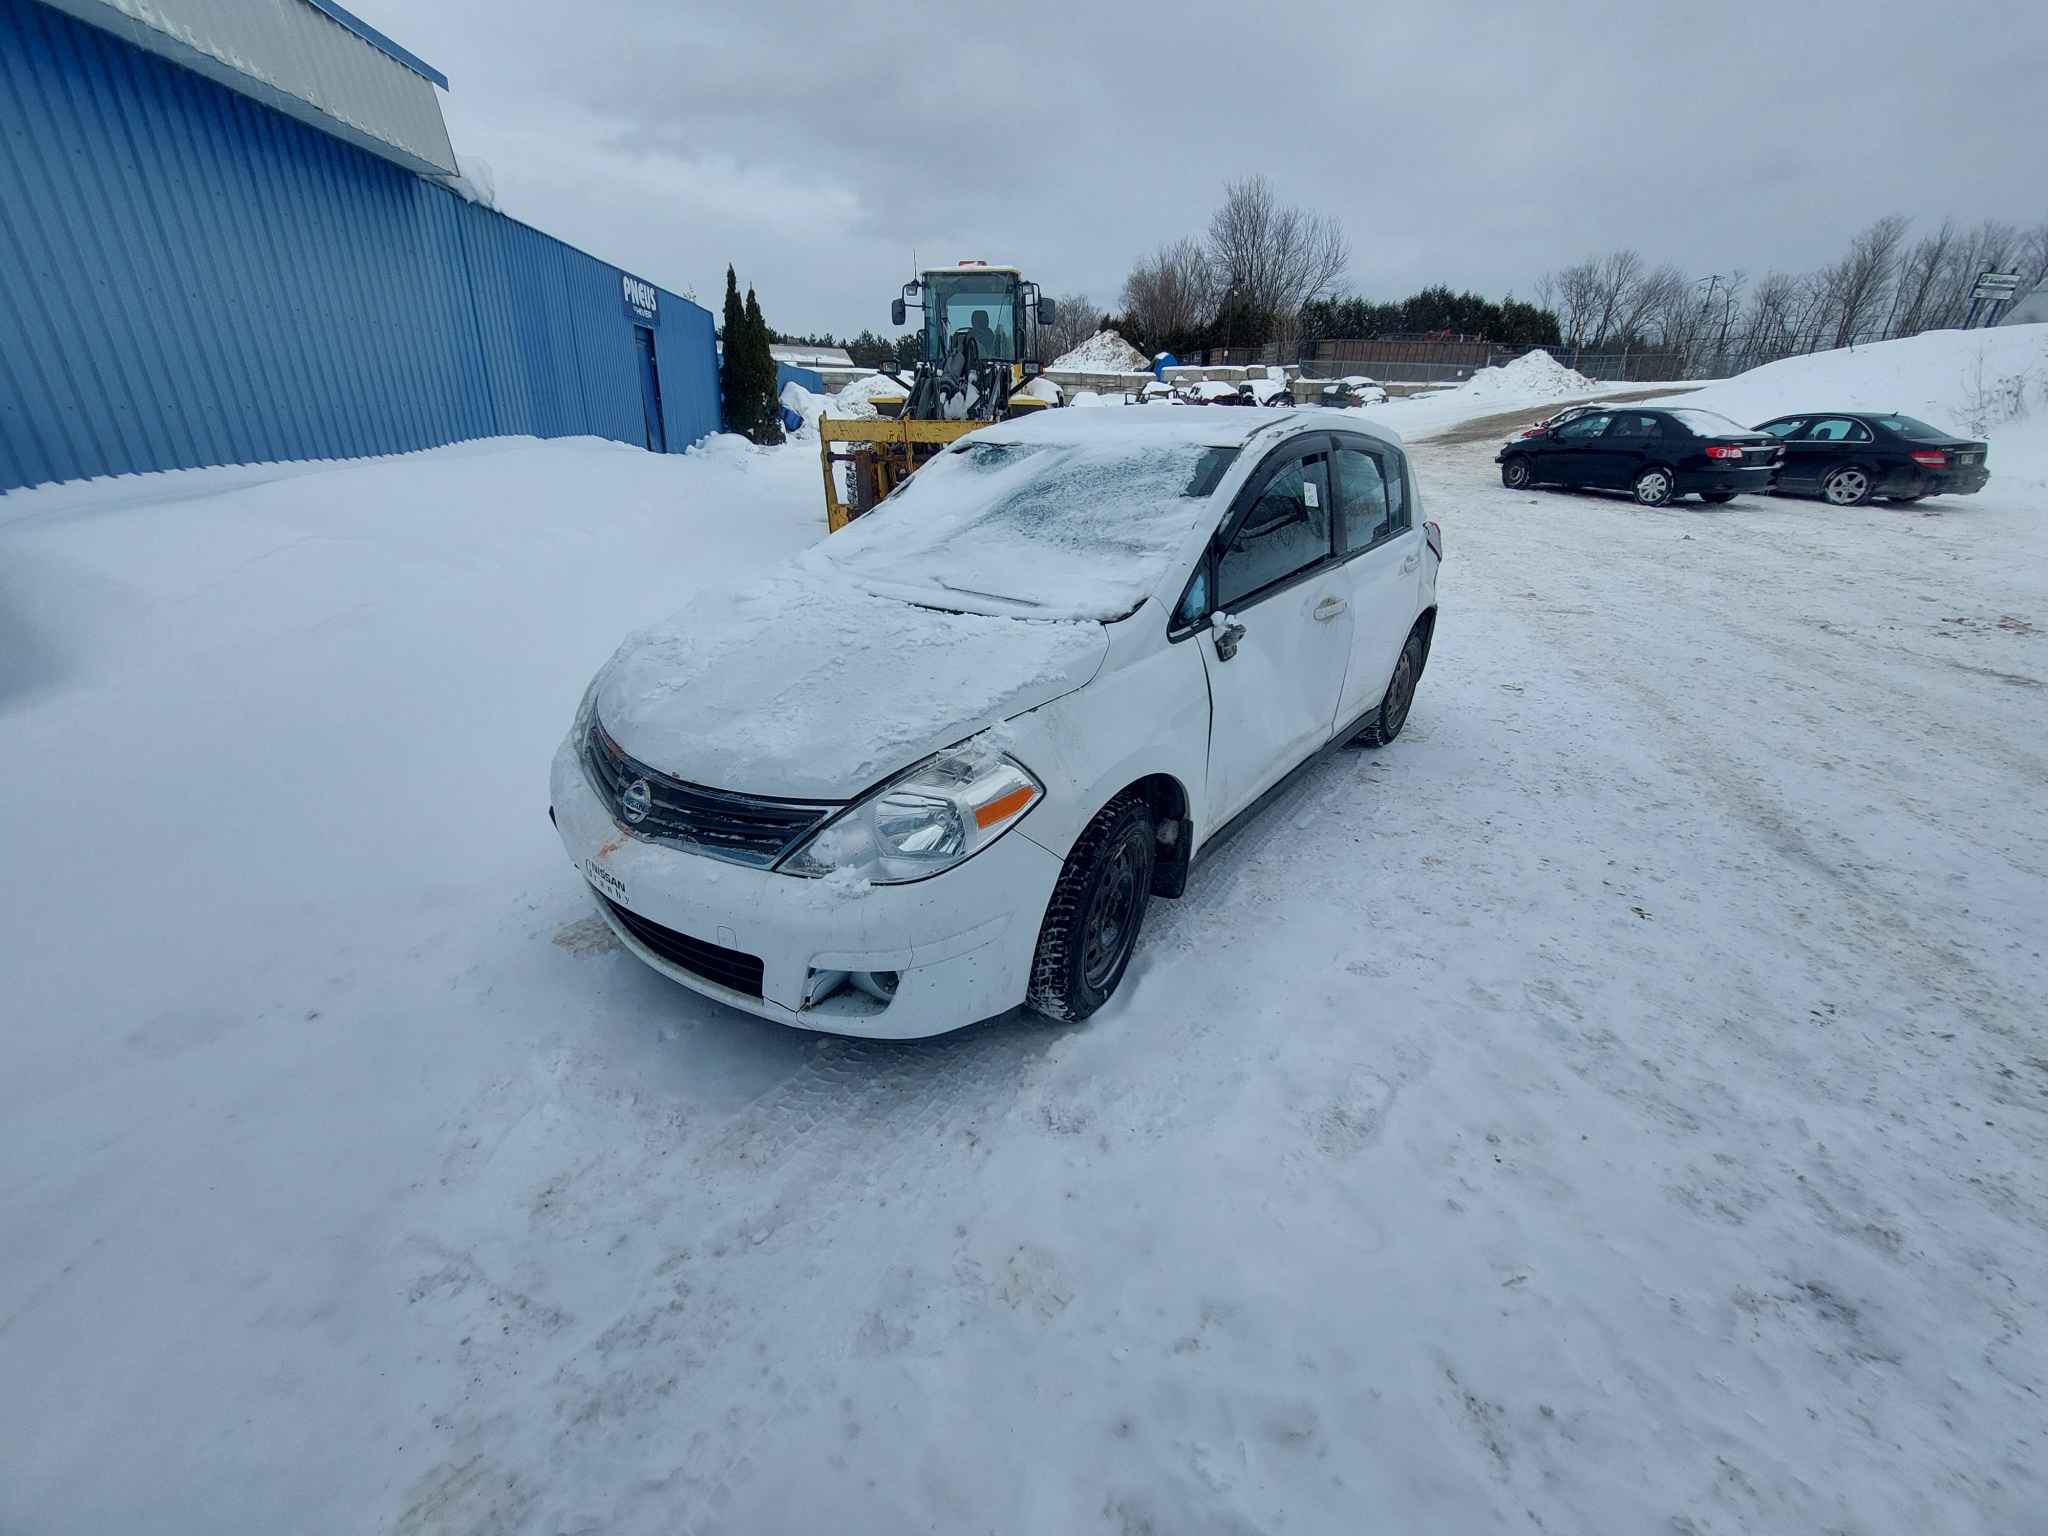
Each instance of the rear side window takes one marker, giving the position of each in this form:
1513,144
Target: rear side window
1911,426
1285,529
1364,508
1636,426
1837,429
1372,494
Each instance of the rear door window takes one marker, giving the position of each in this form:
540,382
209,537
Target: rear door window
1284,530
1634,426
1365,509
1836,429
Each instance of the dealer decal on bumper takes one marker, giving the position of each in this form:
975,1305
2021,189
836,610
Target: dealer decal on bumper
607,882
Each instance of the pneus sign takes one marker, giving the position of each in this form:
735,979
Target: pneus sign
641,298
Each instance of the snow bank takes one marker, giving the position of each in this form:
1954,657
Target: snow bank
1990,383
1534,376
1104,352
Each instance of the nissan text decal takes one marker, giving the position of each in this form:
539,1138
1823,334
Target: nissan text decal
641,297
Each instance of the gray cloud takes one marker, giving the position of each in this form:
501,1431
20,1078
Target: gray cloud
817,146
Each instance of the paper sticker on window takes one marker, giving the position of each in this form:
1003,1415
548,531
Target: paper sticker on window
1308,494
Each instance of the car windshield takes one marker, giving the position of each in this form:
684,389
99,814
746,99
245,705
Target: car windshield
1079,529
1710,423
1910,426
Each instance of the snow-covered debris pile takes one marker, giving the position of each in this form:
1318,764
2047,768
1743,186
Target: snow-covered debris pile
806,404
1531,377
1989,383
859,397
1104,352
1040,388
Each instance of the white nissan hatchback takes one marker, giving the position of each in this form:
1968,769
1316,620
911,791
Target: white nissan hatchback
936,766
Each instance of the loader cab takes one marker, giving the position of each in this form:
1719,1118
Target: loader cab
993,305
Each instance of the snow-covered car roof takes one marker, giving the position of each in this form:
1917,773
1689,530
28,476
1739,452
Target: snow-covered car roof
1063,515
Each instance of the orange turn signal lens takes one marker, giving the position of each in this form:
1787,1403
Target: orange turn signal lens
1004,806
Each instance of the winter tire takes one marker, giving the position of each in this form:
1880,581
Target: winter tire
1717,498
1846,487
1385,723
1655,487
1514,474
1091,925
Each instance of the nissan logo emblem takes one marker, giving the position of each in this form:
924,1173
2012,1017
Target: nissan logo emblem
636,802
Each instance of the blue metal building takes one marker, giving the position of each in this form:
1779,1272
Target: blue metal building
229,233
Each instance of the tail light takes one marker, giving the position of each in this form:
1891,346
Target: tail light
1930,458
1723,451
1435,535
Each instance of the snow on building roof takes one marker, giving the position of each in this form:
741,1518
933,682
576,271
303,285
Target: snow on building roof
309,59
800,356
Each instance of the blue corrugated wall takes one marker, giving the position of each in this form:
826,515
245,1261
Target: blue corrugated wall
189,278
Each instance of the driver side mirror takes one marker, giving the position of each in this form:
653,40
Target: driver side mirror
896,311
1048,312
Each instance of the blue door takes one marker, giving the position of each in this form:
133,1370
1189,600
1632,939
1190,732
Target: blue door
650,390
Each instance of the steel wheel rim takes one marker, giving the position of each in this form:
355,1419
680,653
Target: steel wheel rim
1109,929
1400,695
1653,487
1846,487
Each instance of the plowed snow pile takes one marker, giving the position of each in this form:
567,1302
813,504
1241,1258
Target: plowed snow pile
1533,376
1104,352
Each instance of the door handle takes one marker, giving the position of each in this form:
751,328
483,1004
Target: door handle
1329,608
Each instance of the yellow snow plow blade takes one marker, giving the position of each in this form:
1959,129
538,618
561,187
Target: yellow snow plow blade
880,454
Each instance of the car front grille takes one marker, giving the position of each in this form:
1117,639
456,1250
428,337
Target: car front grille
729,968
742,829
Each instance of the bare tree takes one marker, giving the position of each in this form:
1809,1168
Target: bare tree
1919,279
1273,259
2033,263
1171,293
1577,289
1616,279
1075,319
1858,284
1989,247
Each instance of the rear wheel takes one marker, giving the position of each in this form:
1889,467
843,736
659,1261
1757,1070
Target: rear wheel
1091,925
1514,474
1717,498
1846,487
1655,487
1385,723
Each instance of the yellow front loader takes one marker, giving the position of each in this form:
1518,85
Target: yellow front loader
980,323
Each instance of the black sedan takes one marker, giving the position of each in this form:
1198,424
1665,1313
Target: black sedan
1847,457
1659,455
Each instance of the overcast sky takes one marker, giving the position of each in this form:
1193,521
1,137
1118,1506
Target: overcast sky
816,146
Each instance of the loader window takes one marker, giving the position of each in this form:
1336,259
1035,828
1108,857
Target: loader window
983,308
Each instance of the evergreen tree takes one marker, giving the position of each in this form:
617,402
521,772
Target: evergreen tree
761,376
739,408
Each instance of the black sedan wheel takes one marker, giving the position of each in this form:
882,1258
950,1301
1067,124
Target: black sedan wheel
1846,487
1514,473
1091,925
1655,487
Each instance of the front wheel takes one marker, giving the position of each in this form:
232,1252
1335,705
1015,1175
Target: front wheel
1848,487
1717,498
1091,925
1514,474
1385,723
1655,488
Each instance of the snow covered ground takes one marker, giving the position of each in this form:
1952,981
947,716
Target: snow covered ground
1620,1106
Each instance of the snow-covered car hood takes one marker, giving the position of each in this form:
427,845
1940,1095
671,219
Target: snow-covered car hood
811,688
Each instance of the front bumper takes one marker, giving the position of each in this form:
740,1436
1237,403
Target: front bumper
961,942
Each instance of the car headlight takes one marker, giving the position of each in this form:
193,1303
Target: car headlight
946,809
